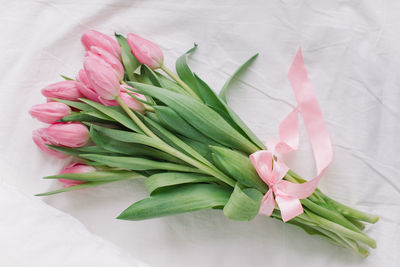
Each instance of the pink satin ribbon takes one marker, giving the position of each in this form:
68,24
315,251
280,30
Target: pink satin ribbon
271,169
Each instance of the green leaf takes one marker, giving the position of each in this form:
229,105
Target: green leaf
172,139
200,116
71,188
117,115
128,59
74,104
235,76
167,179
210,98
151,75
245,129
238,166
137,164
202,148
82,116
185,198
184,71
97,176
75,151
116,146
243,205
226,112
170,85
154,117
128,137
95,113
66,78
175,123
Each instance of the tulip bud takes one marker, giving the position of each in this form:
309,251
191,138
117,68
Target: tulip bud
70,134
66,90
131,102
107,58
50,112
95,38
75,168
41,140
128,100
145,51
84,86
102,77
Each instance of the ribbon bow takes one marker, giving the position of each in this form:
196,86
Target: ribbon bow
272,170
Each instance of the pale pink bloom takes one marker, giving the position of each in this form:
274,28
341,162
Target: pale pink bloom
108,58
128,100
69,134
75,168
145,51
66,90
95,38
41,140
102,78
50,112
84,86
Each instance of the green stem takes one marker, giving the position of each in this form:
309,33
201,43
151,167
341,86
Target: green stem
304,221
350,212
148,108
180,82
167,148
343,209
357,223
330,214
212,171
139,123
334,227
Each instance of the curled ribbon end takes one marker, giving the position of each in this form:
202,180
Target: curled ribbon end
271,170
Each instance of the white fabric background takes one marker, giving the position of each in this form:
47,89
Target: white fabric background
351,50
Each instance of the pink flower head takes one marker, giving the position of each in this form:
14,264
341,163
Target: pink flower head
108,58
102,78
69,134
84,86
41,140
95,38
50,112
75,168
145,51
128,100
66,90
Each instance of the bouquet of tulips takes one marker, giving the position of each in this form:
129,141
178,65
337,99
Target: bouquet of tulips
122,118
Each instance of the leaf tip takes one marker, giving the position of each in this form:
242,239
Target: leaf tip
121,216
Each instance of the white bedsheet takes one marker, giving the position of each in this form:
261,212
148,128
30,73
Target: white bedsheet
351,50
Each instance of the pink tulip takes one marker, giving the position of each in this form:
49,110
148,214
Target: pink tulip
50,112
41,140
70,134
84,86
95,38
102,77
66,90
128,100
75,168
145,51
109,59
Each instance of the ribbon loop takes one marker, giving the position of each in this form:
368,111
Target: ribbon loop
272,170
